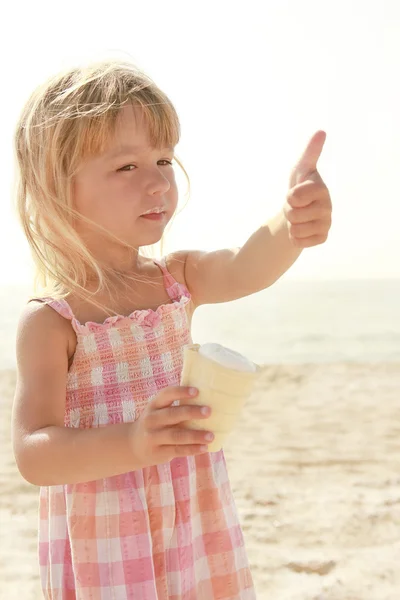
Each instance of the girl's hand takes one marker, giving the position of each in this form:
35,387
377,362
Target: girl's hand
158,436
308,206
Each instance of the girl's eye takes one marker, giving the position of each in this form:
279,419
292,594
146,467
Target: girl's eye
128,168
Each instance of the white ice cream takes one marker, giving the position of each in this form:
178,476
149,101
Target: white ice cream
227,358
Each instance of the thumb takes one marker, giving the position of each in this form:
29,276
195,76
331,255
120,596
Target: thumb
308,161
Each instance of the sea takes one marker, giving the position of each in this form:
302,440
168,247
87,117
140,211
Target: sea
292,322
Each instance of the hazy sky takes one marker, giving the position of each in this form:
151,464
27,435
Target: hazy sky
251,81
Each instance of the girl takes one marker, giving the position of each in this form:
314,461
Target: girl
132,506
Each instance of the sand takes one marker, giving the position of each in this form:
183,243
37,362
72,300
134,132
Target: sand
315,470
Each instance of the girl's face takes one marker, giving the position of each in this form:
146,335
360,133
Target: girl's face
129,179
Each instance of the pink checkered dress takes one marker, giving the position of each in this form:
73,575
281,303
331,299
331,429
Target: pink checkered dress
167,532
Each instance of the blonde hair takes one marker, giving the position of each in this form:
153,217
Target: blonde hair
67,119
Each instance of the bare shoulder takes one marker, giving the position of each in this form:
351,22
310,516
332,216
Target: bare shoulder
41,326
35,312
176,265
183,265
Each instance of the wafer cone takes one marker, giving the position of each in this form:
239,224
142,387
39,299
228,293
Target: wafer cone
225,390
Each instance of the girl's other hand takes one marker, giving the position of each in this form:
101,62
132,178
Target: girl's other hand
158,435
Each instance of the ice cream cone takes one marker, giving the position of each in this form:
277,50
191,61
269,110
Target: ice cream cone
224,389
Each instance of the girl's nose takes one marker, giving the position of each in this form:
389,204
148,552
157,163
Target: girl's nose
157,183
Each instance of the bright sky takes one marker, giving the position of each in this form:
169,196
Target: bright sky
251,81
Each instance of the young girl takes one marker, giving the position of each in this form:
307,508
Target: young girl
132,505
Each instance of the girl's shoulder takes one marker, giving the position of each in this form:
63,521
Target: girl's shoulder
175,264
43,313
38,320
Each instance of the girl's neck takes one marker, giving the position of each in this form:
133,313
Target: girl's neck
116,261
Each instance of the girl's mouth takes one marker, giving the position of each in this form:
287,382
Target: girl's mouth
154,216
156,213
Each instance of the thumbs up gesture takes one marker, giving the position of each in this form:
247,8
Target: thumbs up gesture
308,206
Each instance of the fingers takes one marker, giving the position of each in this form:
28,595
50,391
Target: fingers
303,194
306,230
173,415
314,240
167,396
179,436
308,211
164,423
312,212
186,450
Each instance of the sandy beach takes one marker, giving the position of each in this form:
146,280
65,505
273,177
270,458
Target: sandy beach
315,470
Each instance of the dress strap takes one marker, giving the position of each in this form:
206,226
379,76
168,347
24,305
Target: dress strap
60,306
175,290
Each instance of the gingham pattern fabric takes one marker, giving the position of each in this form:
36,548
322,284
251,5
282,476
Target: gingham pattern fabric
167,532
